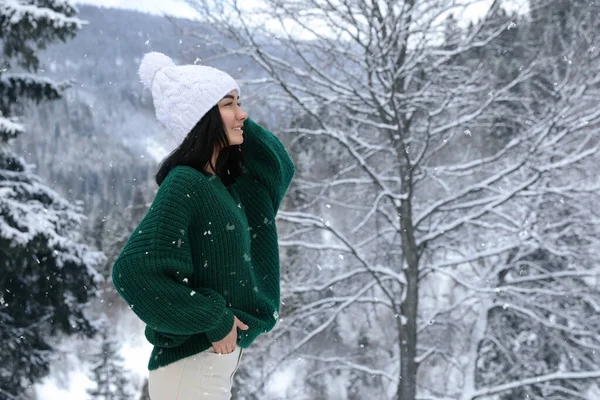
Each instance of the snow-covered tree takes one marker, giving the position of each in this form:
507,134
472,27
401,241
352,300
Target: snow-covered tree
110,233
46,273
108,374
541,344
461,213
144,395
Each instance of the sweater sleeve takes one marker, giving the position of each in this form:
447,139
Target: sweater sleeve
153,270
266,160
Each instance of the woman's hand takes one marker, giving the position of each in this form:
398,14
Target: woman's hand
227,345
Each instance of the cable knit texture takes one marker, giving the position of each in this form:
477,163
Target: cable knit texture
205,252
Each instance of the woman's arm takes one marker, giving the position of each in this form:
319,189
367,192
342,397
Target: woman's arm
155,267
266,160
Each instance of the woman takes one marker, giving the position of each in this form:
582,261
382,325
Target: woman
202,268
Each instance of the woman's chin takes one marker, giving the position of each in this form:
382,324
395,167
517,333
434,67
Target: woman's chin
236,139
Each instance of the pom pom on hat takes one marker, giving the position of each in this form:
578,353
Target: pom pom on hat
183,94
151,64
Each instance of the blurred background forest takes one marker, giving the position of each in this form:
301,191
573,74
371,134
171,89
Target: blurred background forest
439,241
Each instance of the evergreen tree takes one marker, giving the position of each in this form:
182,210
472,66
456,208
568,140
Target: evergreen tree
118,225
46,273
108,373
145,395
139,206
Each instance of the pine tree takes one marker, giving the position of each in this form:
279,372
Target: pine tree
145,395
109,373
139,206
112,231
46,274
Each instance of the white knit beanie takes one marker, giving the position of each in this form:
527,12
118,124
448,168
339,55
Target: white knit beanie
183,94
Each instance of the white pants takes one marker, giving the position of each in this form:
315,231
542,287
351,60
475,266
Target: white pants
203,376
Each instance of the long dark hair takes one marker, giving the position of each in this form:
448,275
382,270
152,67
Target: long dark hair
197,149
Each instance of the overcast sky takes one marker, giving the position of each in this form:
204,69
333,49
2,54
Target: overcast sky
179,8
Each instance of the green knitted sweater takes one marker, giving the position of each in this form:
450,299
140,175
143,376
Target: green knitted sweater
205,252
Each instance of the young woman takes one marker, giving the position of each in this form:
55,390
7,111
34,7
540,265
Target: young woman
202,268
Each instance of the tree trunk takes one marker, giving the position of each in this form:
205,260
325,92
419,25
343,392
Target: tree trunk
407,386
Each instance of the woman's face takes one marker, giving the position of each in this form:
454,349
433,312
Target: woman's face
233,117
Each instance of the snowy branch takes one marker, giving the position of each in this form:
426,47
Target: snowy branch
533,381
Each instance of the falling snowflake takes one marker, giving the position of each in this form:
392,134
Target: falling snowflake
275,315
192,293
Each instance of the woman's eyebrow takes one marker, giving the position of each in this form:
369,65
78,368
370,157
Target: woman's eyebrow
228,97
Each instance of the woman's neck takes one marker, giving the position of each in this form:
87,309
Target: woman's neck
208,167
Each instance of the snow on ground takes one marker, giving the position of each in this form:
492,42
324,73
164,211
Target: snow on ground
75,389
69,375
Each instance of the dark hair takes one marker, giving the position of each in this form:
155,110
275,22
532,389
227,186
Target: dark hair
197,149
